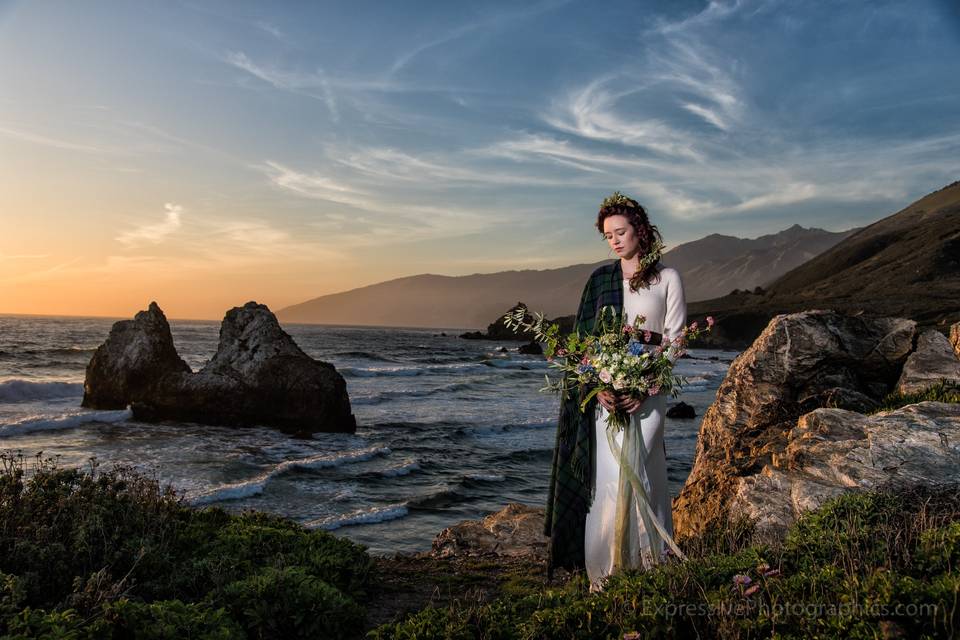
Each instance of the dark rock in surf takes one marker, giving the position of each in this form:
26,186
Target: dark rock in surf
533,349
682,411
259,376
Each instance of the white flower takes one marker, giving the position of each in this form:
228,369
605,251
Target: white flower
619,383
605,376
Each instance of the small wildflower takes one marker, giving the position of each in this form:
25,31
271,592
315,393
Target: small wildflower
710,321
605,376
771,573
751,590
763,566
693,327
561,352
741,579
628,328
632,635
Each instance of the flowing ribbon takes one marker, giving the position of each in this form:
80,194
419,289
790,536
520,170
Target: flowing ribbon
631,488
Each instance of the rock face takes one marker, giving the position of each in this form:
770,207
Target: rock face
801,362
516,530
832,451
136,354
259,376
933,360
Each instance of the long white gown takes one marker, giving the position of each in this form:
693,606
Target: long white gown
664,307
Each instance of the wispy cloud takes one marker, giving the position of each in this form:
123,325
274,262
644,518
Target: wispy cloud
154,233
59,143
300,83
491,20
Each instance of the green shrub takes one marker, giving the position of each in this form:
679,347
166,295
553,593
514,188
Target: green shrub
171,620
112,551
291,603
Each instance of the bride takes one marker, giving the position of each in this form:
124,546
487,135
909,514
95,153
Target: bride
595,519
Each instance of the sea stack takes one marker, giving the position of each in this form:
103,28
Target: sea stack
258,376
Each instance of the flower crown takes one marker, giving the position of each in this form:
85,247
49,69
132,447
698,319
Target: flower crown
617,199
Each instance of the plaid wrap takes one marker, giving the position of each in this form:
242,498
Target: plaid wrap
571,492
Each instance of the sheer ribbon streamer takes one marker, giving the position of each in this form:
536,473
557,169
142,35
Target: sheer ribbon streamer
634,488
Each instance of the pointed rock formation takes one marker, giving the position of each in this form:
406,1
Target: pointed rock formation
127,367
259,376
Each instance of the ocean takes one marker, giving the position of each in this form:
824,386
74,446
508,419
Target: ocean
448,429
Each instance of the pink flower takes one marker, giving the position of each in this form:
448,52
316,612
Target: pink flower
751,590
771,573
710,321
585,360
561,352
741,579
647,335
628,328
693,326
605,376
654,390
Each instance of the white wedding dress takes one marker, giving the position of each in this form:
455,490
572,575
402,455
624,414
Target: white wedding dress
664,307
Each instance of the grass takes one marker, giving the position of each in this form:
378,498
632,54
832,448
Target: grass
865,565
942,391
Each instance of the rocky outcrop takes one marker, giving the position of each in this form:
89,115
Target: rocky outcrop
933,360
258,376
801,362
832,451
135,355
514,531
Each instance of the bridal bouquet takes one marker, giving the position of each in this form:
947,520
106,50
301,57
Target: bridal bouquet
621,358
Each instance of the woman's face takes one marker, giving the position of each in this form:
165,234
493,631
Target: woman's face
621,236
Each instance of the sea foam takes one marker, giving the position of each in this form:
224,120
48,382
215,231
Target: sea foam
69,421
255,486
17,390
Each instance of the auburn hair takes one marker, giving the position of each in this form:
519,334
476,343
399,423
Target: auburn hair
647,234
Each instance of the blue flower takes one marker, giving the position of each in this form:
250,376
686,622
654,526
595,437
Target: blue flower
584,368
636,348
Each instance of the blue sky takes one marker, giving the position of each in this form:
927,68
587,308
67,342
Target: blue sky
221,151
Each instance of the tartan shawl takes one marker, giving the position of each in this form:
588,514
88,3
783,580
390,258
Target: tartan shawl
570,492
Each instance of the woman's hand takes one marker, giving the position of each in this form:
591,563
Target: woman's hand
614,401
632,404
608,400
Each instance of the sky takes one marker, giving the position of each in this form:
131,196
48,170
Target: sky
203,154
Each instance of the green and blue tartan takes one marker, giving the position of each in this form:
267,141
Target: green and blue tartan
570,492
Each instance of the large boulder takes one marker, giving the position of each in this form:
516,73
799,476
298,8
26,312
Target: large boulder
514,531
136,355
933,360
832,451
800,362
258,376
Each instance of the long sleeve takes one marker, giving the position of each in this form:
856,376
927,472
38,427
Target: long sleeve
675,317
